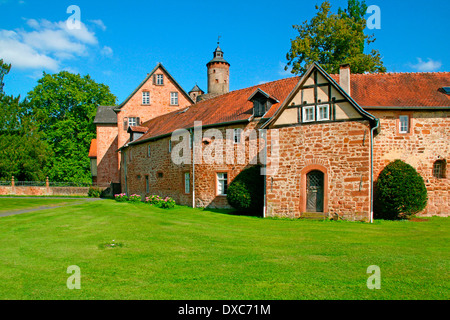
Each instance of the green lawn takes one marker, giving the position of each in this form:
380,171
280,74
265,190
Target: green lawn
186,253
17,203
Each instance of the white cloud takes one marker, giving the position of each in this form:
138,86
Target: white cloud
21,55
47,45
428,66
107,51
99,23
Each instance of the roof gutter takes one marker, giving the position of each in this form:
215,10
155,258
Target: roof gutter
417,108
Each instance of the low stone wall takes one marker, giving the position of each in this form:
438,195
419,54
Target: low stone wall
43,191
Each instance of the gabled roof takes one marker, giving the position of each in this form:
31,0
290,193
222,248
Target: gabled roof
93,149
105,115
159,65
368,91
259,91
314,66
196,88
137,129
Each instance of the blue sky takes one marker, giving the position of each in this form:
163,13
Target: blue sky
119,42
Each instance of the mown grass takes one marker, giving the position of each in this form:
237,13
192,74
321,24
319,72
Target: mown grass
186,253
13,204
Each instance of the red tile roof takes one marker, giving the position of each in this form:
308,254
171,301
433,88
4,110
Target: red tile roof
400,89
93,149
368,90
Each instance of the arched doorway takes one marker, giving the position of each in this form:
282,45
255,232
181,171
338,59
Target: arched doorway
315,191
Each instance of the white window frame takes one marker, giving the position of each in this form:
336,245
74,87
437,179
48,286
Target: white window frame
132,121
402,124
145,97
174,98
237,134
160,79
187,182
319,115
222,183
305,109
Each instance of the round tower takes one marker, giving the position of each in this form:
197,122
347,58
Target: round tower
218,73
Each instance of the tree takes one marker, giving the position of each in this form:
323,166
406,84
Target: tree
400,192
4,70
64,105
23,154
332,39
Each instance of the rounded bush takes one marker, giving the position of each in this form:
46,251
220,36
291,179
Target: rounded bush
246,191
400,192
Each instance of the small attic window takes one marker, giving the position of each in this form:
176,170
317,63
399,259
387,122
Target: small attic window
259,107
445,90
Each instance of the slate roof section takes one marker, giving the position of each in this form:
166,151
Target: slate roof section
370,91
105,115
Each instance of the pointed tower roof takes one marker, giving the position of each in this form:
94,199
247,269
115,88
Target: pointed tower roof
196,89
218,56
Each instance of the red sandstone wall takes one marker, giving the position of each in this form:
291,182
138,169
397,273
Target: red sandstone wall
429,139
337,148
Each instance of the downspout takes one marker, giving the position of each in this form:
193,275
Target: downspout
265,174
193,169
377,125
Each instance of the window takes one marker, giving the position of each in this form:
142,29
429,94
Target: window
174,98
237,135
323,112
145,97
159,174
148,151
132,122
259,108
222,183
159,79
308,114
187,182
170,145
403,124
147,184
439,169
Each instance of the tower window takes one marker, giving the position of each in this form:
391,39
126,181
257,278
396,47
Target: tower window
439,169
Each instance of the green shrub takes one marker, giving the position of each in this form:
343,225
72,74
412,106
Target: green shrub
134,198
400,192
121,197
165,203
246,192
94,192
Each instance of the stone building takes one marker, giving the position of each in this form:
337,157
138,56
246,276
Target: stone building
322,139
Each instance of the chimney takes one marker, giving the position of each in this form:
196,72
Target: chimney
344,77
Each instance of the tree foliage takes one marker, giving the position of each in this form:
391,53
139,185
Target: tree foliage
23,154
4,70
64,106
400,192
332,39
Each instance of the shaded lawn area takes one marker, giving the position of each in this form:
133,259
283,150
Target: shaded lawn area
17,203
186,253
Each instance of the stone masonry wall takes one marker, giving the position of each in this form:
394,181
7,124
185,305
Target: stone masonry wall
341,150
428,141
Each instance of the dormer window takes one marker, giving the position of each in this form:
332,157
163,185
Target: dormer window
261,102
445,90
